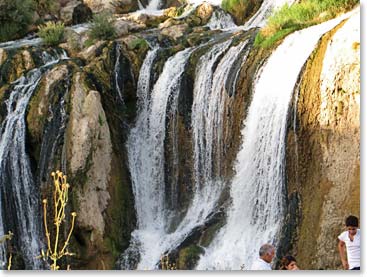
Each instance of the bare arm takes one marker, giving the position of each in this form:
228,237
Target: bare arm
342,253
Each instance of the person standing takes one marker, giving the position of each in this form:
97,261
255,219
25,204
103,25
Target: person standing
266,255
349,244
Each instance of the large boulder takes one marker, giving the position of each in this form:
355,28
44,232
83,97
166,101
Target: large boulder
176,31
89,155
75,12
123,27
125,6
100,5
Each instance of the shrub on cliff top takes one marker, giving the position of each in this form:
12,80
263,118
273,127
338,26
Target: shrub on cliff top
52,33
298,16
102,27
15,17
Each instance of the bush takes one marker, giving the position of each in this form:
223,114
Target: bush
241,9
102,27
298,16
15,18
52,33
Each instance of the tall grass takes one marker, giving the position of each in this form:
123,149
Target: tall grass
298,16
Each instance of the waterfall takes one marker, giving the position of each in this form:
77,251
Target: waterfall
266,9
257,190
146,155
153,5
18,193
221,20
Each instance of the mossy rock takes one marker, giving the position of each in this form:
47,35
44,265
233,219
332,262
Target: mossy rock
189,256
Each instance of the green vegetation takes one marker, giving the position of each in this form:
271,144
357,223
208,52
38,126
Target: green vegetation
298,16
15,18
102,27
241,9
52,33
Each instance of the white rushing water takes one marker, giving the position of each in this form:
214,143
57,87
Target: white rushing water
16,177
154,236
266,9
221,20
257,190
146,155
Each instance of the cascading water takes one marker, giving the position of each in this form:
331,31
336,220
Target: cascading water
153,236
257,190
221,20
266,9
18,192
146,155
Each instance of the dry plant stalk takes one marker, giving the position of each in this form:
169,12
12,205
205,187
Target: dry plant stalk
9,236
57,250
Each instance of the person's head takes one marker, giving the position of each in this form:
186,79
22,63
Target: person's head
267,252
288,263
352,224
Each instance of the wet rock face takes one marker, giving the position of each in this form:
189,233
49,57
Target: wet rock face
89,152
323,160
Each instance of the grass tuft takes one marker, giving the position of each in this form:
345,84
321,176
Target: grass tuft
299,16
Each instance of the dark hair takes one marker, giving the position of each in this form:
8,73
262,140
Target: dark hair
285,261
351,221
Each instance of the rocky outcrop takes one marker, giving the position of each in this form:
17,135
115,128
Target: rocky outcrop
99,5
125,6
15,64
75,12
89,151
323,155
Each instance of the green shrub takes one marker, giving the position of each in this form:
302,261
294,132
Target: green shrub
52,33
298,16
241,9
102,27
15,18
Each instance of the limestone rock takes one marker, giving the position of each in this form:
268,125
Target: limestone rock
3,56
327,145
125,6
176,31
204,11
99,5
168,23
89,151
75,12
90,52
123,27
